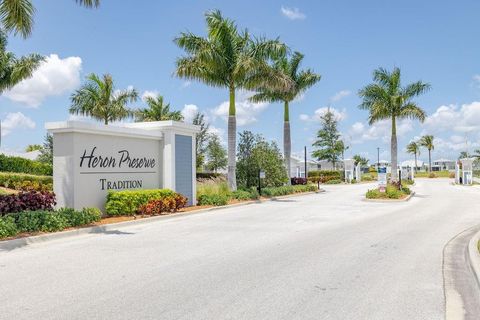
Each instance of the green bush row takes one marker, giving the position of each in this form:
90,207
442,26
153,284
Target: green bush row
46,221
26,182
285,190
128,202
17,164
334,181
391,192
326,173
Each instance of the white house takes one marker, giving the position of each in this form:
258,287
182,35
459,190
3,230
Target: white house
443,165
297,166
411,164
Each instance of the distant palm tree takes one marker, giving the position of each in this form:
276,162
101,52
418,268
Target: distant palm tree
301,81
463,155
476,154
427,142
17,15
157,111
229,58
97,98
414,148
387,99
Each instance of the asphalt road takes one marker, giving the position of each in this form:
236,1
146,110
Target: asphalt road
321,256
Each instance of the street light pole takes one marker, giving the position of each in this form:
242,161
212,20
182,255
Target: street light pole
378,157
305,160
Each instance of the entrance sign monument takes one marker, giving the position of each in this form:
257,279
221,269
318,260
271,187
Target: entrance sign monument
91,159
467,171
382,179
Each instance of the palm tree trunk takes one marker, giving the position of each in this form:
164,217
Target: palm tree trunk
232,142
429,160
415,171
287,143
393,150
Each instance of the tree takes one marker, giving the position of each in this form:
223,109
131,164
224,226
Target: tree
343,147
46,153
33,147
414,148
17,15
427,142
201,140
254,154
301,80
359,160
229,58
387,99
97,98
463,155
216,153
328,143
13,69
157,111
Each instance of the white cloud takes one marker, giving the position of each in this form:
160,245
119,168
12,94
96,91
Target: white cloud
188,112
246,111
14,121
340,95
219,132
293,13
55,76
360,132
460,119
147,93
339,114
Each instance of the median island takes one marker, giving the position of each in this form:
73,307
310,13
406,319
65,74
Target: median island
392,192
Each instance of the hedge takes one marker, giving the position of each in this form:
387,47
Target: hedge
25,182
128,202
285,190
24,201
21,165
212,200
209,175
46,221
323,176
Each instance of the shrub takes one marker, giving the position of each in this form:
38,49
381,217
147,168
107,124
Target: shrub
285,190
392,192
129,201
17,164
334,181
25,182
323,176
53,221
367,177
432,175
29,221
7,227
296,181
212,200
152,208
78,218
451,175
244,195
22,201
210,175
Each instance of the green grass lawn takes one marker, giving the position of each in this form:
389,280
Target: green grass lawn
435,174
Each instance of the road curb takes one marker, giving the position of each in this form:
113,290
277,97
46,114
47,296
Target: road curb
8,245
474,256
391,200
460,280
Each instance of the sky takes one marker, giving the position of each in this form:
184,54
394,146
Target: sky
344,41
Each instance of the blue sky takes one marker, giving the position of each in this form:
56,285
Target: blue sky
344,41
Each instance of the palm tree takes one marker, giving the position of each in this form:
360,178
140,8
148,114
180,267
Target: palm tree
301,81
414,148
157,111
387,99
463,155
229,58
427,142
98,99
17,15
12,69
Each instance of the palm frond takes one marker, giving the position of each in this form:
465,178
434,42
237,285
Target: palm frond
17,16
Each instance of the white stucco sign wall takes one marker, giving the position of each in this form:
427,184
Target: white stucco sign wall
90,159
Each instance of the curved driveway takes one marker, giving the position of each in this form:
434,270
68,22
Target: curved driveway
321,256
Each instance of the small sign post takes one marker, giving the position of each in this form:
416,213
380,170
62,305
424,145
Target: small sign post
382,179
261,175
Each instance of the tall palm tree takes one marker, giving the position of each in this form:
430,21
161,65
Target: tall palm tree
301,81
387,99
232,59
98,99
13,69
427,142
414,148
157,111
17,15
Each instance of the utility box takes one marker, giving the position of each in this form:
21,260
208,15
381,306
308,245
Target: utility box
467,171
